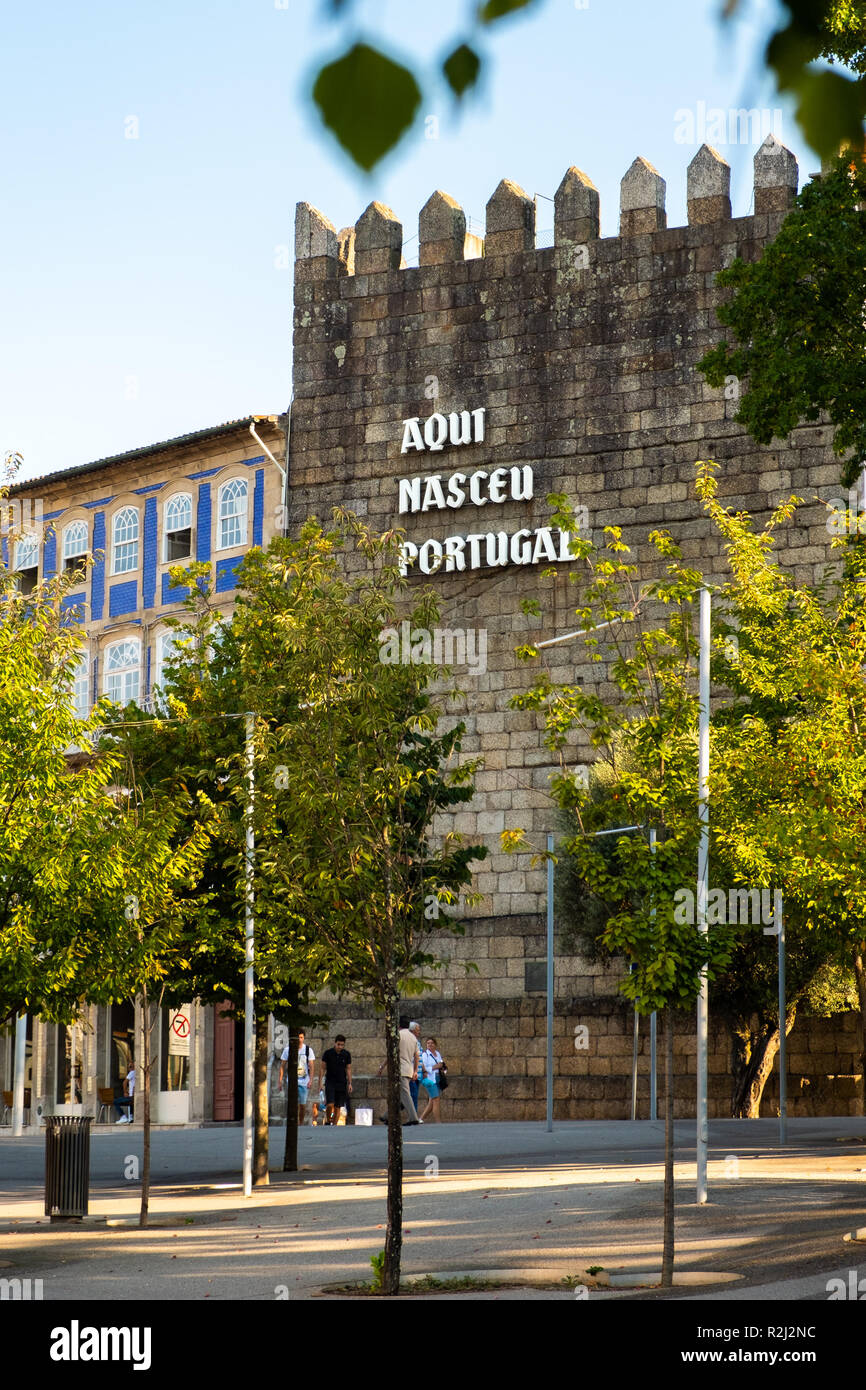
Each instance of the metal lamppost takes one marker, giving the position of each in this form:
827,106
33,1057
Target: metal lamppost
249,947
703,888
778,930
18,1084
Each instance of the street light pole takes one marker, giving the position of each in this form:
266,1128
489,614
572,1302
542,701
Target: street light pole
653,1104
249,943
703,888
550,984
18,1085
783,1041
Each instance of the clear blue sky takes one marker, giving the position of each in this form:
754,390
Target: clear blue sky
140,289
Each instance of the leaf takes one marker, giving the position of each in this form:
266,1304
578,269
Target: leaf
830,110
495,9
461,69
367,101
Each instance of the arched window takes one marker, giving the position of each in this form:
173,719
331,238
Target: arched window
74,545
122,678
178,527
124,535
167,647
26,563
27,553
233,514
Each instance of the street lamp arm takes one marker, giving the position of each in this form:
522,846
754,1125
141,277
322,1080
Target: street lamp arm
588,631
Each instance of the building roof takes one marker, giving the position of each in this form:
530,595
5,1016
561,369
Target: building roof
192,438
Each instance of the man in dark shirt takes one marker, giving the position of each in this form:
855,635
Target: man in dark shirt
336,1065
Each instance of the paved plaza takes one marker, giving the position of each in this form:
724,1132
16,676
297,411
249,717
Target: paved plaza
479,1199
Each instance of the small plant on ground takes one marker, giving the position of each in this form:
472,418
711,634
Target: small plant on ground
378,1263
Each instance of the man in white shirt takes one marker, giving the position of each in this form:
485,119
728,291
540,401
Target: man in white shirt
306,1055
409,1054
126,1099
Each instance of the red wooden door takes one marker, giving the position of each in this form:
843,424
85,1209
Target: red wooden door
223,1062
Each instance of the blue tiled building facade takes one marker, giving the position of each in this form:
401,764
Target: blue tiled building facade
119,526
207,498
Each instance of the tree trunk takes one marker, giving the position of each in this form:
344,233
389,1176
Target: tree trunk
860,977
668,1246
290,1155
260,1104
753,1056
145,1095
394,1229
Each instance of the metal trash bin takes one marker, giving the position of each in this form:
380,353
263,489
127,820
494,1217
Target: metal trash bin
67,1166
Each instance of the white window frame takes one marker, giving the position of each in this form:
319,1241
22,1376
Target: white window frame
68,553
125,549
237,515
169,530
168,638
26,550
81,687
121,676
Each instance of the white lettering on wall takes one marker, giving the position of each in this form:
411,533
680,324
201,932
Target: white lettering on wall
410,495
435,432
433,494
463,427
436,492
411,436
457,553
502,485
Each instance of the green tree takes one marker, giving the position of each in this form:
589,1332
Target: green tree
149,928
745,992
789,784
90,907
56,808
357,776
746,995
797,323
191,745
642,728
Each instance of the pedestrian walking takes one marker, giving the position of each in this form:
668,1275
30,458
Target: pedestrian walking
410,1055
336,1067
432,1066
415,1085
306,1055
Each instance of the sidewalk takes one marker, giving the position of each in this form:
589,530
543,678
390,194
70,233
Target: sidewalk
477,1198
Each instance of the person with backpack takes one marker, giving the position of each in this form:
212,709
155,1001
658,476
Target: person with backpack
433,1079
306,1055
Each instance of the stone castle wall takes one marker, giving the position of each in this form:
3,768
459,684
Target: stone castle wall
496,1050
583,358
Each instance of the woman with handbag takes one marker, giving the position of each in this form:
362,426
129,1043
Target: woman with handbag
433,1078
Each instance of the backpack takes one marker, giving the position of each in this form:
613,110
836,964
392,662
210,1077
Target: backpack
303,1066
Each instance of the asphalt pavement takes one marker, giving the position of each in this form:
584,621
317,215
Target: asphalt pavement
480,1199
